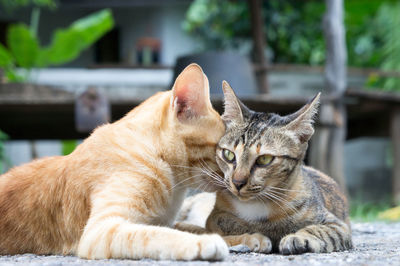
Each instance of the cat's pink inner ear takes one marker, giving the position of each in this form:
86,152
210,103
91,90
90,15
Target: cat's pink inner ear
190,93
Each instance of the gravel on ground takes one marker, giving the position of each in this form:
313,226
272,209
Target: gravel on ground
375,243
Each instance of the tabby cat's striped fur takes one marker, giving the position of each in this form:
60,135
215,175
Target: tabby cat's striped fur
117,193
281,205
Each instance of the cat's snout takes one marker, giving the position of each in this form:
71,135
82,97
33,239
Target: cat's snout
239,183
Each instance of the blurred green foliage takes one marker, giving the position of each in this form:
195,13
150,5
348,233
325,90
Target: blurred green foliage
294,31
25,50
388,23
367,211
218,24
293,28
11,5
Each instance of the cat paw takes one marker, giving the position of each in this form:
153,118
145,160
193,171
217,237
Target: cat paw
257,243
299,244
212,247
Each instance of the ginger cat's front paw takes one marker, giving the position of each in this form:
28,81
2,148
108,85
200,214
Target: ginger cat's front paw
299,244
213,247
207,247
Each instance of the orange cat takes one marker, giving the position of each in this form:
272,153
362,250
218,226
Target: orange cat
115,195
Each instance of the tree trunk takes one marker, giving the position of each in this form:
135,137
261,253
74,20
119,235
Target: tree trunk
328,144
255,7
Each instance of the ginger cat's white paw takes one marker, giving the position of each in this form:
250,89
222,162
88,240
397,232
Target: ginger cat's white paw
213,247
207,247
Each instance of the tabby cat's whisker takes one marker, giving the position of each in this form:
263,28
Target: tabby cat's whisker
260,199
283,201
285,189
276,202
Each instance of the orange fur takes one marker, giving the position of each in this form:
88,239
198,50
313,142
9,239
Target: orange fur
110,197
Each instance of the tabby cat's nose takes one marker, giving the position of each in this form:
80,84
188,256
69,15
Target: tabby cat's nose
239,183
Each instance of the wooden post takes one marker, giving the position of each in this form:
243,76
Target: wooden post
336,52
259,44
318,151
395,134
332,140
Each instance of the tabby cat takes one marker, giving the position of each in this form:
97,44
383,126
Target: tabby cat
268,199
117,193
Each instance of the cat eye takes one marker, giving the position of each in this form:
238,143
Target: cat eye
264,160
228,155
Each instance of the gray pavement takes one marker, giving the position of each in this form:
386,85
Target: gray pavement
375,244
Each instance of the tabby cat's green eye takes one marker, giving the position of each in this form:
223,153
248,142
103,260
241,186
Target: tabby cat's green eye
228,155
264,160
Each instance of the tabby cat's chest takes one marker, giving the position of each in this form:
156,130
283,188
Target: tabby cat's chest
251,210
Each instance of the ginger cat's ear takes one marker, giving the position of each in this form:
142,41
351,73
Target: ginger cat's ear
301,122
190,94
234,109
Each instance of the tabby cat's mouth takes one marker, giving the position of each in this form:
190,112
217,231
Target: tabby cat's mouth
241,196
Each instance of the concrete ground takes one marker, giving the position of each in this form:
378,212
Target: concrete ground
375,244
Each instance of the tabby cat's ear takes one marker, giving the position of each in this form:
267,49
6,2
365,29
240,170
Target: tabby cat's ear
234,109
190,93
301,122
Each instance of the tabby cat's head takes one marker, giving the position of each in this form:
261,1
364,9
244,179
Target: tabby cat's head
260,151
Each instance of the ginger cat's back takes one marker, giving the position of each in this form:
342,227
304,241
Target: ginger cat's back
45,187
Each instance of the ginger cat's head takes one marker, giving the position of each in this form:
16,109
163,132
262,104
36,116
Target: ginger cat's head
260,151
194,122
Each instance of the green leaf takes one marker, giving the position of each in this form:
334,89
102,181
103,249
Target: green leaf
6,58
68,146
23,45
68,43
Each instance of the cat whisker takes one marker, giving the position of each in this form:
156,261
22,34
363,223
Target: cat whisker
284,201
276,202
182,181
216,181
202,186
281,200
260,199
284,189
215,177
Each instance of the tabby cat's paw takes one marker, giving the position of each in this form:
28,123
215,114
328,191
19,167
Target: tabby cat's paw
212,247
257,243
298,244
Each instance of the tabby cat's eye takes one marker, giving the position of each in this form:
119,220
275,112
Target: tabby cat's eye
264,160
228,155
